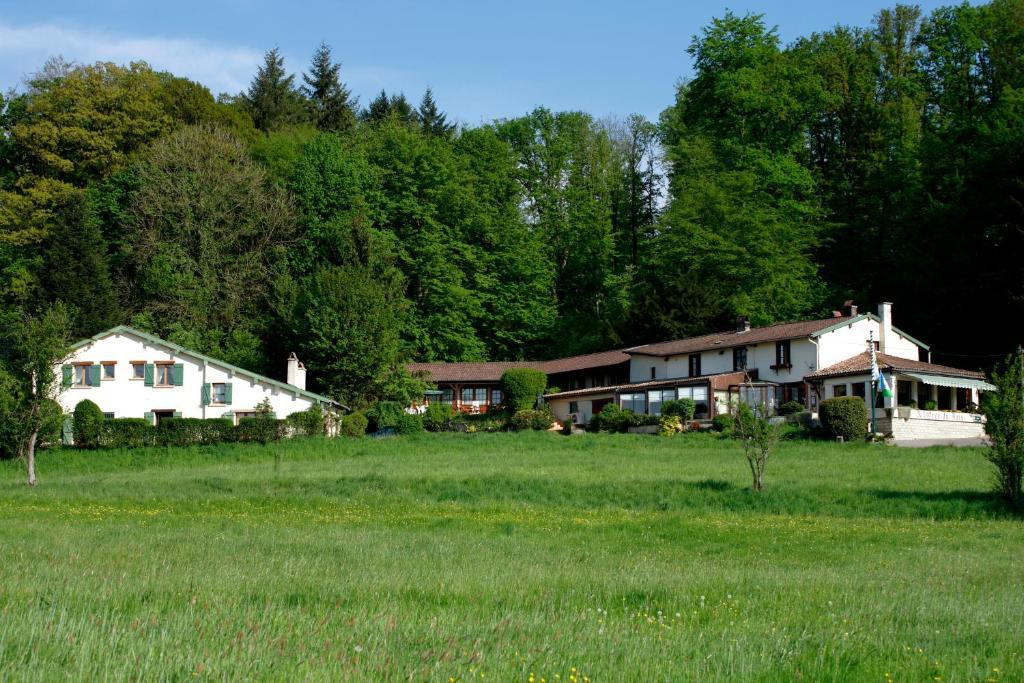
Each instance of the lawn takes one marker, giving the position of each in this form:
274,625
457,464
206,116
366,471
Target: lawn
510,557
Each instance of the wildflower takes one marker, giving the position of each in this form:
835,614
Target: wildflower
359,648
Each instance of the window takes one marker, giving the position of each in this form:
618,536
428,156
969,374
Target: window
657,397
218,393
654,372
739,358
496,397
838,390
164,375
108,369
782,356
859,389
573,407
694,365
447,395
81,376
480,394
108,416
138,370
634,402
699,396
467,395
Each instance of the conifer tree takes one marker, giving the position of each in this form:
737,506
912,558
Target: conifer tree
432,120
328,96
271,99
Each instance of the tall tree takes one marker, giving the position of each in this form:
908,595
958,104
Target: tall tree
432,120
384,107
272,100
333,107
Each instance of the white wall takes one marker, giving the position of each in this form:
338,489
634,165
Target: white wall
127,397
584,407
852,339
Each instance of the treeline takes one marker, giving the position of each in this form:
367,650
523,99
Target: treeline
874,163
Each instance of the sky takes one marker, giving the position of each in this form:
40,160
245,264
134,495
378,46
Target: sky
483,60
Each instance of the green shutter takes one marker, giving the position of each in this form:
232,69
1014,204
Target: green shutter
148,375
94,375
65,376
204,395
227,393
68,432
148,417
177,414
179,374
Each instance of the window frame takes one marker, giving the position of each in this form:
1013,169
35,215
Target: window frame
112,364
783,355
81,372
138,370
496,396
738,353
223,393
693,363
161,370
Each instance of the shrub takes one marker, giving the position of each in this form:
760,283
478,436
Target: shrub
669,425
259,430
384,414
846,416
521,386
683,408
187,431
722,423
87,422
354,424
408,424
438,417
127,432
791,408
309,422
931,405
614,418
537,420
1004,424
52,422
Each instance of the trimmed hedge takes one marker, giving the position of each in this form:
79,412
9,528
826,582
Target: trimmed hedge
127,432
259,430
846,416
791,408
520,388
537,420
309,422
354,424
88,419
408,424
683,408
186,431
438,417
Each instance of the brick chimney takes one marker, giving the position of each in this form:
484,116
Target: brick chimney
743,324
296,372
885,334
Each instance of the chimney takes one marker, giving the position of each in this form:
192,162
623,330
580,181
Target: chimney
743,324
849,308
296,372
885,334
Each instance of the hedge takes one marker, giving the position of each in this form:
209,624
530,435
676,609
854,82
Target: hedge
683,408
127,432
354,424
186,431
791,408
613,418
88,419
438,417
722,423
521,386
309,422
537,420
846,416
259,430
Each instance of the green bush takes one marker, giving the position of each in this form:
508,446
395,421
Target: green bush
521,386
722,423
846,416
537,420
614,418
492,421
259,430
188,431
931,405
438,417
354,424
88,419
791,408
52,423
127,432
384,414
683,408
408,424
309,422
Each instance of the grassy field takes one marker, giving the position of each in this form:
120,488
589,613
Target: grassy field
510,557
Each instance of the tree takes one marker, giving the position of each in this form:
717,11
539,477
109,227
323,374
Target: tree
33,347
333,108
758,434
432,120
272,100
1004,424
383,108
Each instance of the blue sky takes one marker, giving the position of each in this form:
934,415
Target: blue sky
484,60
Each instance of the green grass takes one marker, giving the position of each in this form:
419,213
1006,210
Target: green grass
500,556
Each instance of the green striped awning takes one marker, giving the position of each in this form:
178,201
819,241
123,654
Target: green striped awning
948,381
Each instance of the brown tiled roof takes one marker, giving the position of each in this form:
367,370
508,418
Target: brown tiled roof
492,372
861,364
718,380
755,335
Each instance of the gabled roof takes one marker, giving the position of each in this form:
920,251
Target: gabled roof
177,348
756,335
492,372
584,362
717,380
861,364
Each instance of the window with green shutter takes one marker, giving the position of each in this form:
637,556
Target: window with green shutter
149,374
204,395
94,375
65,376
227,393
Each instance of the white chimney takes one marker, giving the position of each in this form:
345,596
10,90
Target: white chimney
296,372
885,334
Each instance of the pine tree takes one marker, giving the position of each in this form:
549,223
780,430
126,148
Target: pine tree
272,100
328,96
383,107
432,120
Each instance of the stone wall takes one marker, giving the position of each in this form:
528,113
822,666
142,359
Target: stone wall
906,424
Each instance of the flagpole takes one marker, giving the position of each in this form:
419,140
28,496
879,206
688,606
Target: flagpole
874,382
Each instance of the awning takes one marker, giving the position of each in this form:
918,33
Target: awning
947,381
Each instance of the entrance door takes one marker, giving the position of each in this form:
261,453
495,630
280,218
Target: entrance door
161,414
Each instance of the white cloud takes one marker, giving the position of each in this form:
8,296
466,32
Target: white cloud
222,68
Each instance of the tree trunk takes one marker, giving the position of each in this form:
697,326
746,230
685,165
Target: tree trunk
30,457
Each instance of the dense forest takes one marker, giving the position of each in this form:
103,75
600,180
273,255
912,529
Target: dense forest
884,162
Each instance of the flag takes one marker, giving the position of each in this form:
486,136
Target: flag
883,386
876,374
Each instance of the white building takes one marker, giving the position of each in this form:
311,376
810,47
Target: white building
129,373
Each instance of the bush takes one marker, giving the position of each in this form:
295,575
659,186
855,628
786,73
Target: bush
791,408
408,424
614,418
384,414
259,430
521,386
127,432
87,422
683,408
846,416
669,425
187,431
309,422
537,420
52,418
1004,413
438,417
354,424
722,423
931,405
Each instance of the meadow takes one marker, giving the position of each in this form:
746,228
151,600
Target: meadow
530,557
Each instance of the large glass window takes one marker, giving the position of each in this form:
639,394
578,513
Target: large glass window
165,375
467,394
496,397
447,395
699,396
656,398
480,394
838,390
634,402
